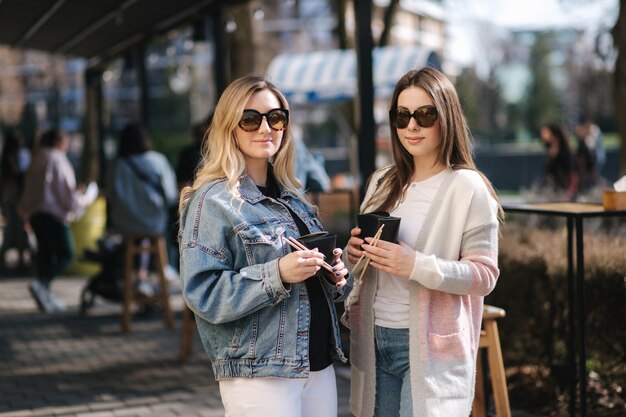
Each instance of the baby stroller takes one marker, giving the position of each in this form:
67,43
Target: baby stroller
108,282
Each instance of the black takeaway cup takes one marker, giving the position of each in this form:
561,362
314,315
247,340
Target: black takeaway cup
369,223
324,242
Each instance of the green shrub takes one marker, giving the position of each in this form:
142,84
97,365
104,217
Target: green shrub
533,290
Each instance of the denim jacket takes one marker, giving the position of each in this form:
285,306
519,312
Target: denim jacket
251,323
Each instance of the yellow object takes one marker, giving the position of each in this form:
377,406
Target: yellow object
87,230
614,200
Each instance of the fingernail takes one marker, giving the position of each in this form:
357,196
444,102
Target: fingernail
337,273
336,251
334,269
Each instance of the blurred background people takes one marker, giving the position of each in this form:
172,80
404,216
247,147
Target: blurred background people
559,173
51,201
141,188
310,171
189,157
13,165
586,158
594,140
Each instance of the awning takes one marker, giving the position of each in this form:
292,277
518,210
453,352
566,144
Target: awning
325,76
95,30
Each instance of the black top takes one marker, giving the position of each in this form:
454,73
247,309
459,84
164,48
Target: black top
559,170
320,326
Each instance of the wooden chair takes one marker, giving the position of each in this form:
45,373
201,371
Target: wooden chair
189,327
134,245
490,340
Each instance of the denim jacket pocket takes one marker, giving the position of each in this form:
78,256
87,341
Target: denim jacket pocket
235,341
244,337
261,241
261,334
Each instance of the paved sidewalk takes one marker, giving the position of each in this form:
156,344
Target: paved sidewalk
65,365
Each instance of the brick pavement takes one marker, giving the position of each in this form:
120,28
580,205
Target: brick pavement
65,365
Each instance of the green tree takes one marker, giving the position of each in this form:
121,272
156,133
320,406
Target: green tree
169,124
482,104
467,86
514,122
543,103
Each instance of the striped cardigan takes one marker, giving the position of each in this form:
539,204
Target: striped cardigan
455,267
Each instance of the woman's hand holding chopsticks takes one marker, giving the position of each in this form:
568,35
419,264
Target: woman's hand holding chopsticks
396,259
372,242
338,270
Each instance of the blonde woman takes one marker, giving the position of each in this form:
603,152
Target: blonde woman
265,313
415,317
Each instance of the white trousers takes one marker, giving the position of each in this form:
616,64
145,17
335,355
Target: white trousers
315,396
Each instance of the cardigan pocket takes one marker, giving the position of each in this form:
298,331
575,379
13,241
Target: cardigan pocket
454,346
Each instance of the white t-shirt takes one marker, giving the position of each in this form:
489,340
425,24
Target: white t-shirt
391,305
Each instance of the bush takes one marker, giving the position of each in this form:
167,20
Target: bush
533,290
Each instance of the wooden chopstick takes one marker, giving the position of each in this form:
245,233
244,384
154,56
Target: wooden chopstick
299,246
302,247
374,243
367,262
296,244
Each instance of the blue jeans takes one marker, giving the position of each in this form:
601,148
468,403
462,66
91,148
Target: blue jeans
393,379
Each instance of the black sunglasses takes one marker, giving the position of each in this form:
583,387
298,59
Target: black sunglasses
425,116
252,119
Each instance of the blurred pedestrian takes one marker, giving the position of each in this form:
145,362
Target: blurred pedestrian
190,155
51,201
141,188
265,313
310,171
13,166
559,174
594,140
586,161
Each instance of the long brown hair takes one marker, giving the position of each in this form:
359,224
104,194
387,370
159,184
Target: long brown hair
455,151
134,140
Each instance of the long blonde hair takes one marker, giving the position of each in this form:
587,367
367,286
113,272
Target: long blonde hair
455,151
220,155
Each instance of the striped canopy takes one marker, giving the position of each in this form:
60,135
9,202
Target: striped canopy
326,76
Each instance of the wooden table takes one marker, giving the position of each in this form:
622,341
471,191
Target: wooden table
574,214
